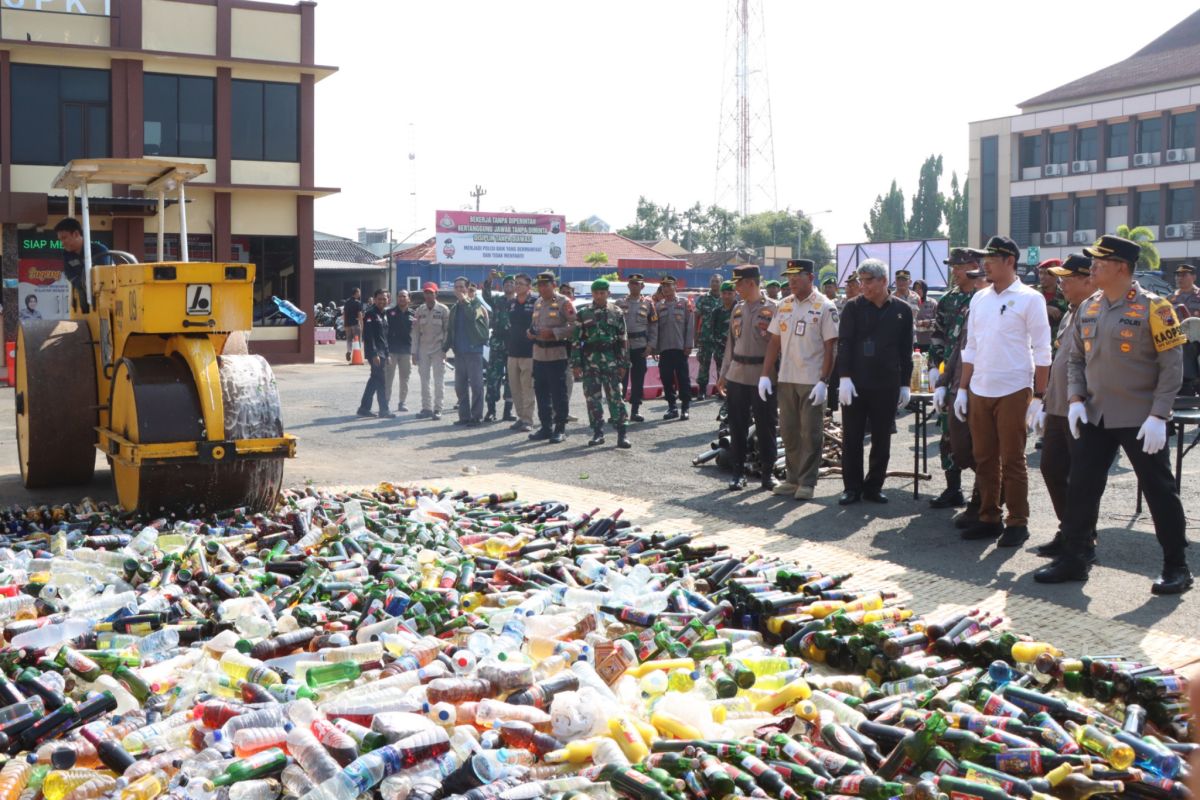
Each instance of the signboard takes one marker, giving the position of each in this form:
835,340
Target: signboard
95,8
1033,255
43,292
922,258
500,239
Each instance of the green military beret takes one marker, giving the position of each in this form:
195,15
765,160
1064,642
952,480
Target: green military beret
726,286
599,285
776,284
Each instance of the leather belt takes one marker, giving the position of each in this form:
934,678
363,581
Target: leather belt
748,359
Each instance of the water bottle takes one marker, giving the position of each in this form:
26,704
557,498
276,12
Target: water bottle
289,310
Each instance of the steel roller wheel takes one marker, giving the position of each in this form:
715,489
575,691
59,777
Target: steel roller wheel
154,400
55,403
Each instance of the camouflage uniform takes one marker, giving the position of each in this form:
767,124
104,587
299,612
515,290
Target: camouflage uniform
1059,302
943,344
718,332
496,375
599,350
704,308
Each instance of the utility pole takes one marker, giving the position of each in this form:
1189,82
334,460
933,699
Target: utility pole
478,193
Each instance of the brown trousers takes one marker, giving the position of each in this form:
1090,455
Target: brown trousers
998,443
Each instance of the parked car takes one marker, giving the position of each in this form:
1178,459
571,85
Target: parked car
616,290
1154,282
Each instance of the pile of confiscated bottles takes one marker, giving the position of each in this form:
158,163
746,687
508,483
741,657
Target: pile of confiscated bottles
423,644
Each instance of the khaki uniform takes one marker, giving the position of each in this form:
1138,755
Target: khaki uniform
431,326
556,315
550,372
1191,351
741,368
676,335
641,326
803,328
912,298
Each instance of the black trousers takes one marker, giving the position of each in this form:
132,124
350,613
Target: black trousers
743,403
874,409
550,389
1090,462
1057,447
673,368
636,375
377,386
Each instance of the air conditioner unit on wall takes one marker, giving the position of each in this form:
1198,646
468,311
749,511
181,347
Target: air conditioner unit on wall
1143,159
1081,166
1052,170
1053,237
1083,237
1176,155
1175,231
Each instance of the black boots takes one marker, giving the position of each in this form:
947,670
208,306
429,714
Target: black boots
559,434
540,435
622,438
491,413
634,416
508,415
672,413
952,497
1175,579
597,435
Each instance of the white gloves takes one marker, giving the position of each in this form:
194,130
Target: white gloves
846,391
960,405
1076,414
1039,424
905,396
1153,434
1032,413
819,394
764,387
939,399
933,377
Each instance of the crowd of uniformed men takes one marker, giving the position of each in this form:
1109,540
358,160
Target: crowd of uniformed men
1088,360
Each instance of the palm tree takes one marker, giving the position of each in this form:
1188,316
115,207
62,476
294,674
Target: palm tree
1150,259
597,259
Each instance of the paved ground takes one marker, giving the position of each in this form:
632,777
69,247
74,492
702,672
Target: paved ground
915,547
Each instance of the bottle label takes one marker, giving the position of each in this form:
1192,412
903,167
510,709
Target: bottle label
964,796
850,784
1020,761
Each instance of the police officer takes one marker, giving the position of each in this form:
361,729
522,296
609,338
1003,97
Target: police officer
1124,372
641,326
704,308
431,326
676,334
553,319
904,290
600,357
745,354
1187,298
804,334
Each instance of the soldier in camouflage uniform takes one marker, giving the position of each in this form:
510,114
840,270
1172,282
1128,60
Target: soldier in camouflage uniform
496,376
718,329
704,308
947,327
599,355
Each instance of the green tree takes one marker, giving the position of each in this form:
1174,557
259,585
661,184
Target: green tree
581,227
768,228
596,259
1150,259
647,222
887,223
695,221
956,212
813,244
721,232
928,203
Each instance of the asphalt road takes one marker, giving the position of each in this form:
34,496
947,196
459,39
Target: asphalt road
338,448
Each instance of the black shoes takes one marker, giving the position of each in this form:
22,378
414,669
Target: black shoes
436,415
1174,580
425,414
983,530
558,436
540,435
622,438
875,496
768,483
1061,570
362,412
461,421
1013,536
738,482
474,422
684,414
672,413
490,416
524,427
402,408
1057,547
597,436
636,417
967,517
508,415
516,426
386,415
950,498
849,497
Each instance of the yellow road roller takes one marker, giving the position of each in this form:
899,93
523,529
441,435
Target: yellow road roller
155,374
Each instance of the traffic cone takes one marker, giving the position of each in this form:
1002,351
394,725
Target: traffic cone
356,353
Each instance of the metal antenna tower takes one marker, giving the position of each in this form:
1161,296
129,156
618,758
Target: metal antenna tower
745,175
412,170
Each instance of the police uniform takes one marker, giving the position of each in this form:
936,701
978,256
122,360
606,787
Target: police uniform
704,340
745,351
949,324
676,334
804,328
641,327
600,352
1126,367
910,297
556,315
1188,301
431,326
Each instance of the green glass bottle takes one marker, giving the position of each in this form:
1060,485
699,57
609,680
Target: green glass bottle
261,764
913,748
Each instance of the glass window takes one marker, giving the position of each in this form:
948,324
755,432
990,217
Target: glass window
1031,151
1035,216
178,113
1148,208
1149,135
58,113
1118,139
1060,147
1180,205
266,121
1085,213
1183,130
1087,144
1060,211
989,189
1112,200
275,259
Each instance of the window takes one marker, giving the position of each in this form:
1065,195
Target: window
1115,200
1035,216
59,113
1148,208
275,259
1060,147
1060,211
266,121
1180,205
989,189
1149,135
1183,130
178,116
1087,144
1118,139
1031,151
1085,213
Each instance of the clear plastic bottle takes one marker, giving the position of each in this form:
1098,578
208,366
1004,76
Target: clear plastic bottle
248,741
314,759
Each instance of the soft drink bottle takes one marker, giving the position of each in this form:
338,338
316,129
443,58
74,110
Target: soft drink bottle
248,741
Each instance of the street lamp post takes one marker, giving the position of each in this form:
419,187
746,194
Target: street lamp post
800,230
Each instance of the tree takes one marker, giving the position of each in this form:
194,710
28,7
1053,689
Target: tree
596,259
1150,259
694,221
581,227
887,223
768,228
928,203
956,212
648,222
721,233
813,244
